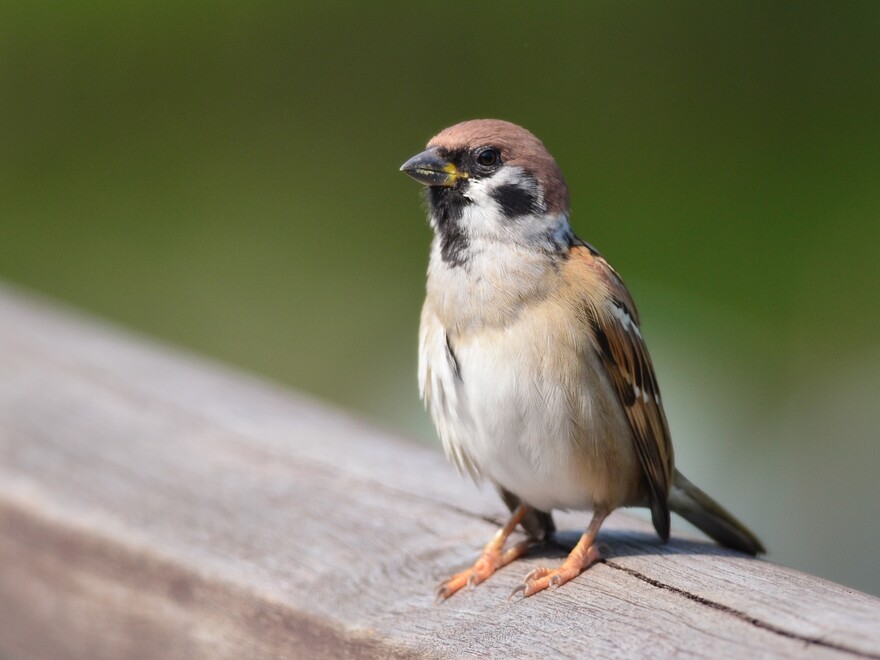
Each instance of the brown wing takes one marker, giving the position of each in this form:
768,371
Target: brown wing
625,356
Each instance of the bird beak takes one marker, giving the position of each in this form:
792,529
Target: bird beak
431,169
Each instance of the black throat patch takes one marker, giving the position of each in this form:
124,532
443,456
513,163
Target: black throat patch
447,208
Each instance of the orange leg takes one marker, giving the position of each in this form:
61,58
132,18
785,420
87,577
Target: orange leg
584,555
491,559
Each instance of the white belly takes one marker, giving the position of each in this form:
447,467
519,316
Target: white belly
523,438
519,417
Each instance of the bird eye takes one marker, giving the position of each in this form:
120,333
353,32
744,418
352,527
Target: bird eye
488,157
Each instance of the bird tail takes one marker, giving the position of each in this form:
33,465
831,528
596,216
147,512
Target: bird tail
699,509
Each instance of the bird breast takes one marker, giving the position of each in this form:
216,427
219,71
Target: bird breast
526,404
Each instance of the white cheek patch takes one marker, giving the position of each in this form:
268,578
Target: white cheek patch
480,190
485,216
496,218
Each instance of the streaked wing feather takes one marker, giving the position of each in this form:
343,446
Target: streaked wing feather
628,364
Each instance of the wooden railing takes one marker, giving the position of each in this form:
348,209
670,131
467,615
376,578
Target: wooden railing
154,505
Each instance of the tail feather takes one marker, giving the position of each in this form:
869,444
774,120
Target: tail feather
699,509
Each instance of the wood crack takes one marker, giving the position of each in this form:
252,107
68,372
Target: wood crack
720,607
739,614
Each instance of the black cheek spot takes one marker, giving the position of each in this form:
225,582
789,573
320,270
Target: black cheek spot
515,200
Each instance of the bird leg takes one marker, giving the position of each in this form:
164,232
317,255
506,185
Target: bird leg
584,555
491,559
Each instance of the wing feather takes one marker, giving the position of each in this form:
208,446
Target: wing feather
625,356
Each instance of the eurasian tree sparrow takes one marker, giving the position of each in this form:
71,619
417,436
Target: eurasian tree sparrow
531,361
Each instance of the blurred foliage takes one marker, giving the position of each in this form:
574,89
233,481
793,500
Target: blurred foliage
224,176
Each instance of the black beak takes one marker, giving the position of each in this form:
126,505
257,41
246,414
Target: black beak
431,169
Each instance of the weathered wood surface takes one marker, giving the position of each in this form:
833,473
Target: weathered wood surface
156,506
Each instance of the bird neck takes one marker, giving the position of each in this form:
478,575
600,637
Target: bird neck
493,286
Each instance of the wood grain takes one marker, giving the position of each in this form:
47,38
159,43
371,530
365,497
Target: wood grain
155,505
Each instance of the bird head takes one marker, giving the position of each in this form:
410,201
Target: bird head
487,181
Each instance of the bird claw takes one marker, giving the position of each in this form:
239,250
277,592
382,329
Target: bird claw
542,578
520,589
535,574
465,580
441,594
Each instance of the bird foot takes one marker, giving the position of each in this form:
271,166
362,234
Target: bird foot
542,578
490,561
487,564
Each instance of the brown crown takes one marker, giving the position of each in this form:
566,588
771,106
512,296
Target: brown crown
518,147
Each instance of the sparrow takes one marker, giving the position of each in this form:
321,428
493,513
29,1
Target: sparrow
532,363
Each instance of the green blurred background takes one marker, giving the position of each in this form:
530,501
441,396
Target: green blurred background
224,176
